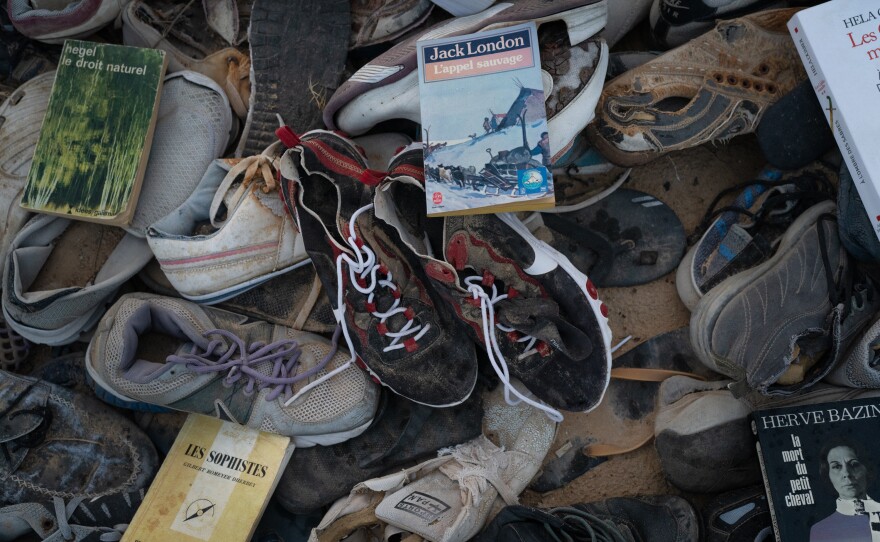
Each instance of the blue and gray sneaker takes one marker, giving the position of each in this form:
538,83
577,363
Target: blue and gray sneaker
745,233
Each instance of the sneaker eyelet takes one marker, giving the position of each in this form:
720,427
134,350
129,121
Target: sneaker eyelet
732,80
759,87
746,83
771,89
763,69
718,78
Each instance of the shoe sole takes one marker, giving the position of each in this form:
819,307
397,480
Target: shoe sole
542,248
710,306
284,69
348,114
105,393
228,293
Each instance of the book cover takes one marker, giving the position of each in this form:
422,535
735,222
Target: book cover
95,139
213,486
484,124
820,469
838,45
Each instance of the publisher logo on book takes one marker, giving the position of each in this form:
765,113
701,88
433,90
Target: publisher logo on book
437,198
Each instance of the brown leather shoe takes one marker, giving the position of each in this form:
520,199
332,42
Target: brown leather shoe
711,89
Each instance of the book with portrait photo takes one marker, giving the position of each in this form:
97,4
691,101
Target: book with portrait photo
820,465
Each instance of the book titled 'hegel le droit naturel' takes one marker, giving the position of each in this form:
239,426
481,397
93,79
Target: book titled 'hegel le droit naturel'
95,139
213,486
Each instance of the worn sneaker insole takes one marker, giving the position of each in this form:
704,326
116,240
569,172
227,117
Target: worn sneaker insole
625,239
625,417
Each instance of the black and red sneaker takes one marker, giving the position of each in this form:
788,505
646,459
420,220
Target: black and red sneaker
408,339
539,318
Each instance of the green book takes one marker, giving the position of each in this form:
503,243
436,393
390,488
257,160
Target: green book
95,139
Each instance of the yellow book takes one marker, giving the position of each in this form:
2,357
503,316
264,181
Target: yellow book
214,485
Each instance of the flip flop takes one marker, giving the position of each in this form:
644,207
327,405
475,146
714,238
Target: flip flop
627,238
624,420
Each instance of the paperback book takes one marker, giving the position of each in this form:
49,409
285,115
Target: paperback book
838,45
820,470
484,124
214,484
94,142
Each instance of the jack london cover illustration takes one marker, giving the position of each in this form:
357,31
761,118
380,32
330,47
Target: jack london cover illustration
95,139
484,124
820,464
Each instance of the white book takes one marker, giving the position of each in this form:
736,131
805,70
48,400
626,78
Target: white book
839,44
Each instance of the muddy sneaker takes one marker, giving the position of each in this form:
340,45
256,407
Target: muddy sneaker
742,234
781,326
675,22
183,31
57,21
537,316
230,235
396,323
378,21
713,88
71,519
61,274
387,87
402,433
662,518
153,351
58,443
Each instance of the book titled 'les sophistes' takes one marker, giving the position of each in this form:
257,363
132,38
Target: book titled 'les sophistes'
820,465
484,124
95,139
213,486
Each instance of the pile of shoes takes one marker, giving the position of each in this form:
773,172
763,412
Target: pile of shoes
281,272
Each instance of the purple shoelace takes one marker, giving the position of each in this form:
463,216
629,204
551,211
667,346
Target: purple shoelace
240,359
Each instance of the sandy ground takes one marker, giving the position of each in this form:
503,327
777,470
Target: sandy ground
687,181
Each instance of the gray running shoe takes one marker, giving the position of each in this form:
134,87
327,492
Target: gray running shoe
861,366
781,326
153,351
58,443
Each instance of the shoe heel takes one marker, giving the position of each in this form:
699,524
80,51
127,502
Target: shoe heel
584,22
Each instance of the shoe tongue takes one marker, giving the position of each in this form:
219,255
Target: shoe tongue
540,318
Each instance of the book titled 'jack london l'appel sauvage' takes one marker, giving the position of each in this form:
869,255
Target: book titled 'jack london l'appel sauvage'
839,44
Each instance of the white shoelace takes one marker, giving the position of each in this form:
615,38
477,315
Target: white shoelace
63,512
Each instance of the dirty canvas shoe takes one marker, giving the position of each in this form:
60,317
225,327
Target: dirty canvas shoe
661,518
387,87
151,351
537,316
230,235
183,31
396,323
378,21
743,233
60,275
56,21
73,519
58,443
781,326
713,88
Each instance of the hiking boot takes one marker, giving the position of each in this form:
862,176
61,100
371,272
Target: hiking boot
394,321
402,433
676,22
387,87
744,233
77,518
184,32
378,21
153,351
713,88
230,235
703,436
781,326
662,518
58,21
58,443
742,515
60,275
536,315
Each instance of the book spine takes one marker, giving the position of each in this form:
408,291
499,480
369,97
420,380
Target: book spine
766,483
842,134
